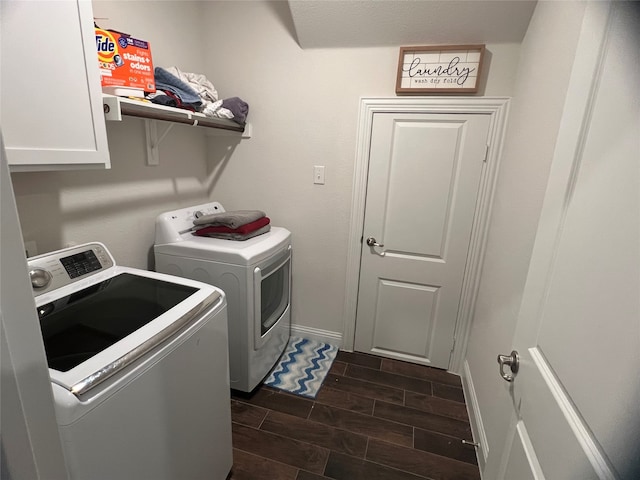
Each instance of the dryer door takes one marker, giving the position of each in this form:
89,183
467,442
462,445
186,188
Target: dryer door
272,290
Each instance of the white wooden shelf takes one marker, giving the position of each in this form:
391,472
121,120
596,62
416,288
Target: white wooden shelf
117,107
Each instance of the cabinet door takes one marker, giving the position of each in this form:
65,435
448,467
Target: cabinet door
51,97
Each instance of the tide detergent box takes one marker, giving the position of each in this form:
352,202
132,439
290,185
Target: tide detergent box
125,63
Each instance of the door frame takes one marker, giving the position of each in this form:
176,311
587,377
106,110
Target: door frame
31,445
497,108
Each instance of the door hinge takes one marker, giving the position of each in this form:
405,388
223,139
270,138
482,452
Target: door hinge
486,153
453,346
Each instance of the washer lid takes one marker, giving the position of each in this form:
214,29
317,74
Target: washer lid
247,252
91,331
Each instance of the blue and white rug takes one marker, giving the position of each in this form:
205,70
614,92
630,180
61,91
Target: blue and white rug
302,367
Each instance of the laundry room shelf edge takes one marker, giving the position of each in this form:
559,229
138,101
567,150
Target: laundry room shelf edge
116,107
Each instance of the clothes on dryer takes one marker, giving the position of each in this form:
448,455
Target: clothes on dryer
244,229
231,235
231,219
221,225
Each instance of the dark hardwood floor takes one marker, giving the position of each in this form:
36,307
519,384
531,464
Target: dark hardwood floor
373,419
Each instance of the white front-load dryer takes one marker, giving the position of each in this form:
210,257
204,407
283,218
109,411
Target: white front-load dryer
255,274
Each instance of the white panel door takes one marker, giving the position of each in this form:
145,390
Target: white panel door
576,396
424,175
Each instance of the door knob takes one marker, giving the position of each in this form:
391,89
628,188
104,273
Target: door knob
373,243
513,361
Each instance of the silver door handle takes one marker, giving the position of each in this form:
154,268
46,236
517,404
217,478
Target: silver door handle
513,361
373,243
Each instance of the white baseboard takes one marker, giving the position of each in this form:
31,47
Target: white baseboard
316,334
477,427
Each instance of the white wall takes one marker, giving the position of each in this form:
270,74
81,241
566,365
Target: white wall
119,206
546,58
303,107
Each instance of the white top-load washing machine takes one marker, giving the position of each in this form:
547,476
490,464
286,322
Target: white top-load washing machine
256,276
138,365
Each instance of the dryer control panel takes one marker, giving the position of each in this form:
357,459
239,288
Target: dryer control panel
171,225
56,269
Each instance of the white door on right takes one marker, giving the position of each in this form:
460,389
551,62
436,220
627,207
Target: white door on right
576,396
422,187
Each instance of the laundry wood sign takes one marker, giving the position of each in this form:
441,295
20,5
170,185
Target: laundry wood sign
439,69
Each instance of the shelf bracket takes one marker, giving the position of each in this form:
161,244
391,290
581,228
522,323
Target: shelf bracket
153,140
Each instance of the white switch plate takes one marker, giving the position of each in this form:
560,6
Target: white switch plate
318,174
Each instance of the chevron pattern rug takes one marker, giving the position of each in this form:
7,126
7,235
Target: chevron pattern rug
302,367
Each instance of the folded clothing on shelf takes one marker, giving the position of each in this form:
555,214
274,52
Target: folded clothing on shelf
169,99
238,107
170,83
199,89
194,91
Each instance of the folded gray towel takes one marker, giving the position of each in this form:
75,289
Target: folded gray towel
233,219
239,236
238,107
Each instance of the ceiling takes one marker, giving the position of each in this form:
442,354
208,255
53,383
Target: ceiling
372,23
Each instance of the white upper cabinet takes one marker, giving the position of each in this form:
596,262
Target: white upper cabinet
51,99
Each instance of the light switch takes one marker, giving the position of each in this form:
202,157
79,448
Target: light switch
318,174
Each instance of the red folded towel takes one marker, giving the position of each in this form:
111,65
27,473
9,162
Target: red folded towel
242,230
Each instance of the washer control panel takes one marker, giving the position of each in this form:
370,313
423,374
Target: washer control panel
81,263
57,269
